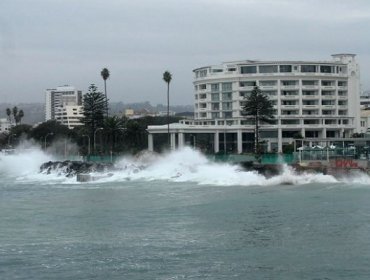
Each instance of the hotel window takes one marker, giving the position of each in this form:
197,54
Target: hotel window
247,84
215,87
215,106
215,115
226,96
289,83
267,83
203,86
215,96
248,69
216,70
326,69
342,83
285,68
203,105
202,96
228,115
268,68
327,83
309,83
308,68
226,86
227,106
202,73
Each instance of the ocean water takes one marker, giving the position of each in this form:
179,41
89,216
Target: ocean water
179,216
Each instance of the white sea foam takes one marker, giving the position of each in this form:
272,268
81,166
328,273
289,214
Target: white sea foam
184,165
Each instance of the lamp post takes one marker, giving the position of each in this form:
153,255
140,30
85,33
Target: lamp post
50,133
88,142
96,130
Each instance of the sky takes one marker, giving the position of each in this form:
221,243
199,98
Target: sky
50,43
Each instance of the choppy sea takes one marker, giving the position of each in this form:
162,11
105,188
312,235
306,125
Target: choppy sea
180,216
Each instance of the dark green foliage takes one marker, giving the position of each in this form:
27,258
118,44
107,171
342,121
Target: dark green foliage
94,106
260,109
113,129
105,75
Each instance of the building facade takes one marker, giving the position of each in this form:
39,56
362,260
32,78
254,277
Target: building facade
312,99
64,104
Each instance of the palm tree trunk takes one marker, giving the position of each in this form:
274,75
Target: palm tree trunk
106,97
168,116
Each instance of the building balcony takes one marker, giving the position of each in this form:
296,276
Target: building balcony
291,87
310,106
328,87
289,96
328,107
342,87
289,106
328,97
342,97
310,87
342,107
268,87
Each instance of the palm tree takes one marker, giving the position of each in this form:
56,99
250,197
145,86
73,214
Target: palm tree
15,113
19,117
8,113
113,126
167,77
105,75
261,109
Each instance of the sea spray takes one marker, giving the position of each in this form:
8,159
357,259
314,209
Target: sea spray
183,165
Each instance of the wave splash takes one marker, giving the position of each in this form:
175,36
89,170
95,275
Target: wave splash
184,165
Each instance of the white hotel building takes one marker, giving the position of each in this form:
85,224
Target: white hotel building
314,99
64,104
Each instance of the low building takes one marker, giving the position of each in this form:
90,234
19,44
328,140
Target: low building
5,125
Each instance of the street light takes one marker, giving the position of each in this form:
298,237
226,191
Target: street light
50,133
96,130
88,141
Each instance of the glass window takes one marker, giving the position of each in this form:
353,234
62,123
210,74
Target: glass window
227,105
268,68
215,87
203,86
309,83
248,69
308,68
285,68
215,106
247,84
226,96
215,115
215,96
226,86
228,115
326,69
267,83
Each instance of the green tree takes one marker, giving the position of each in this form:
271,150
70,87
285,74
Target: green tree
167,77
94,107
18,118
113,127
105,75
260,109
15,113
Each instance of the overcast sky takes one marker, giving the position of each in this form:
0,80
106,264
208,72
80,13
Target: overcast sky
47,43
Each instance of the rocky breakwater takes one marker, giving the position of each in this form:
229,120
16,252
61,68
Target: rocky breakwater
72,168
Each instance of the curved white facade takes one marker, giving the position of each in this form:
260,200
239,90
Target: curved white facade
314,99
317,99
